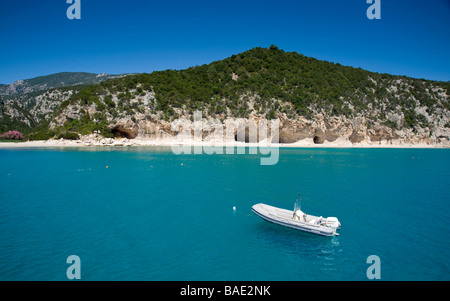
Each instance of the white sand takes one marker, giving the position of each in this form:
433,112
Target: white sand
306,143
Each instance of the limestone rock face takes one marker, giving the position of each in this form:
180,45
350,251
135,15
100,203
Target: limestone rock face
291,131
125,128
320,129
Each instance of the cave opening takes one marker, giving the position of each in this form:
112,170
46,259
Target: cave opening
120,133
319,140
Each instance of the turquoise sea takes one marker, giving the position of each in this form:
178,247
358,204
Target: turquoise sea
148,214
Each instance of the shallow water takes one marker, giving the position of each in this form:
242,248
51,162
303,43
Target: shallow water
147,217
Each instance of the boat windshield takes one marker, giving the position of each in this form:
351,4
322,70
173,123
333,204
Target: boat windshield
298,204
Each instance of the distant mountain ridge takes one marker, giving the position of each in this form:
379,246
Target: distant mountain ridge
57,80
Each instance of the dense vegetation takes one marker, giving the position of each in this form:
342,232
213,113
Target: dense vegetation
270,75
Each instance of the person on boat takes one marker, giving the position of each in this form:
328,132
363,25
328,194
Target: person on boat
299,215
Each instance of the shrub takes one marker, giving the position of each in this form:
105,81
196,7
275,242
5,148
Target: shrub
69,136
12,135
43,134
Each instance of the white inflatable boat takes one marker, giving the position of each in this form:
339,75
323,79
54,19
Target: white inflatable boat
298,220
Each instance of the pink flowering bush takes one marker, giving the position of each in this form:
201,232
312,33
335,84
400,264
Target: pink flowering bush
12,135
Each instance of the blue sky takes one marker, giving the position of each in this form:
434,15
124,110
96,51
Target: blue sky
126,36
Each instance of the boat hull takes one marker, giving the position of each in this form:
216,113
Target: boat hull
284,218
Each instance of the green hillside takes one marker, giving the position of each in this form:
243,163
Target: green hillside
274,76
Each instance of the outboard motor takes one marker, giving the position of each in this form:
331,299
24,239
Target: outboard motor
333,222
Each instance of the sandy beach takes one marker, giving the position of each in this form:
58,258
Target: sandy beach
121,142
